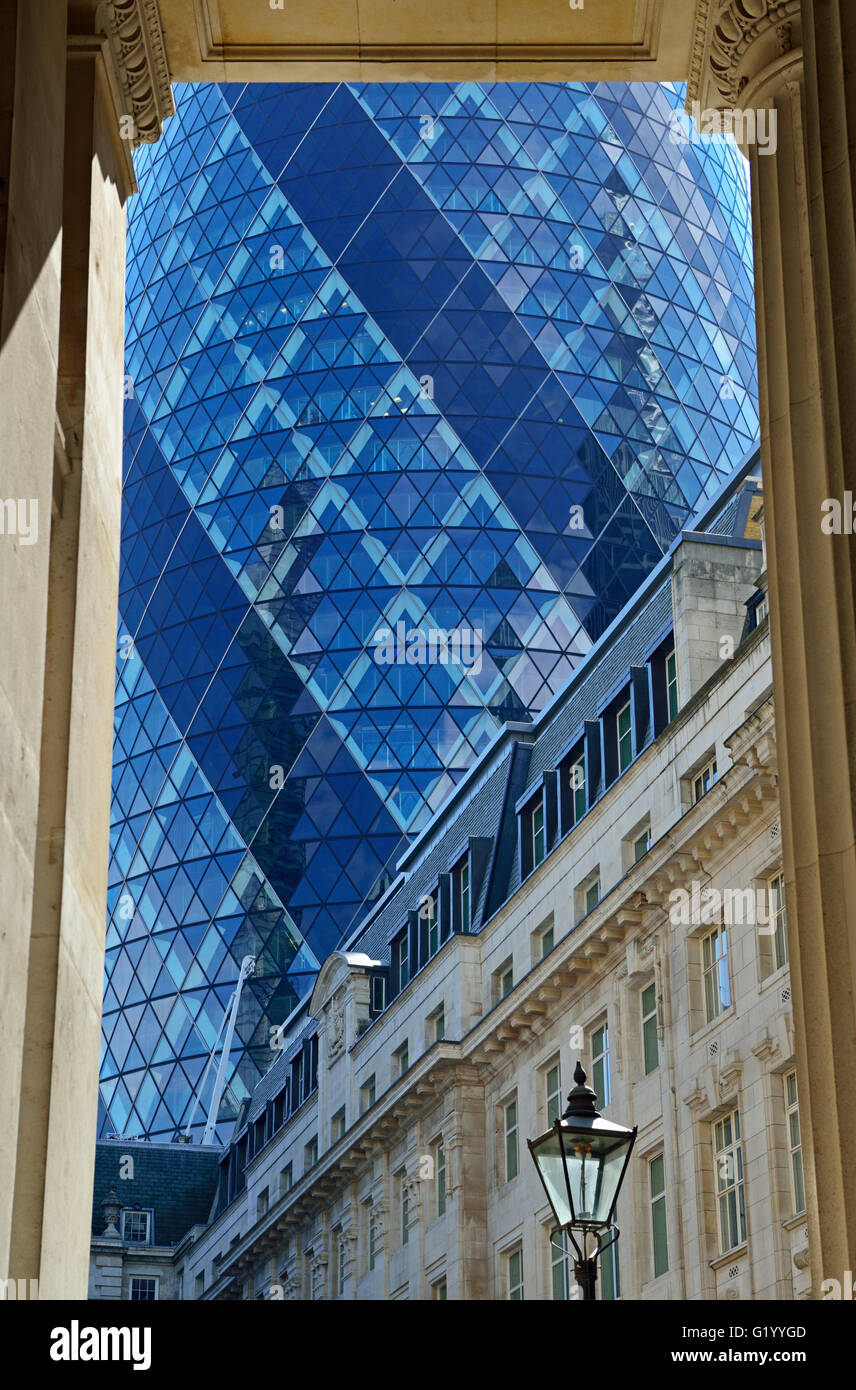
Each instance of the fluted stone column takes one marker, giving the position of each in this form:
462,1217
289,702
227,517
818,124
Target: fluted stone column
799,62
32,117
78,102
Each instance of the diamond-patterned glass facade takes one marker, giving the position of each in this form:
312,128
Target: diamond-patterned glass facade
443,357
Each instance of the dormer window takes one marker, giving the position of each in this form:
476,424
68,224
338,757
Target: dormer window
534,829
136,1227
461,889
572,787
377,995
431,912
401,956
617,727
578,789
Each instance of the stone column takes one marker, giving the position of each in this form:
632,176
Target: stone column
467,1149
798,61
69,422
32,120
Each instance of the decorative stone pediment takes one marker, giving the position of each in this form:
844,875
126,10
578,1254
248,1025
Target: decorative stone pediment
340,1000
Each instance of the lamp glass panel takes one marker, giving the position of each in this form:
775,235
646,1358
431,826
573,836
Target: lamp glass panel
595,1165
548,1156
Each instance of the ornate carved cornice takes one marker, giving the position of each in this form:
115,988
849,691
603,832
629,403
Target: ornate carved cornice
733,42
134,37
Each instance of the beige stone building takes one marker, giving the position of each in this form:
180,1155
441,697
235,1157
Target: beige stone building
72,78
535,921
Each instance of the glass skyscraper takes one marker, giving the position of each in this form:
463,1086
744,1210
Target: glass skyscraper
401,360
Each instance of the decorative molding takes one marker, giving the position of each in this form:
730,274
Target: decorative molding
347,1249
696,1099
380,1214
724,33
801,1257
136,49
413,1187
642,47
336,1037
730,1072
767,1048
698,49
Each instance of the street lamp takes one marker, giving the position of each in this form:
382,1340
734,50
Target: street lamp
582,1161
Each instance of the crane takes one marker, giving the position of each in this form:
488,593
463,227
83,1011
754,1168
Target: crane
248,965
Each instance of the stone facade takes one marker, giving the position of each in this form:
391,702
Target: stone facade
429,1191
798,59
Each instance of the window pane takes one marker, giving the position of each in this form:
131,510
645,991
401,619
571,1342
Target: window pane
538,834
511,1141
578,789
554,1095
610,1277
657,1178
661,1245
672,684
515,1275
799,1184
625,738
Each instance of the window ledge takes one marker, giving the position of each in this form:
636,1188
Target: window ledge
737,1253
775,977
793,1223
705,1030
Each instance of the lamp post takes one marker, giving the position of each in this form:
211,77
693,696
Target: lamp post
581,1161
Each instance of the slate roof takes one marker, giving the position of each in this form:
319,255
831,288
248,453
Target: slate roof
176,1181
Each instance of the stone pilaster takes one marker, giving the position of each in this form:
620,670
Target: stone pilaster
32,123
798,62
62,983
72,107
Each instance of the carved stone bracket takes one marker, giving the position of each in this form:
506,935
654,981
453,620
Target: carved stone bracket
767,1048
134,37
801,1257
735,40
380,1215
347,1249
413,1187
730,1072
